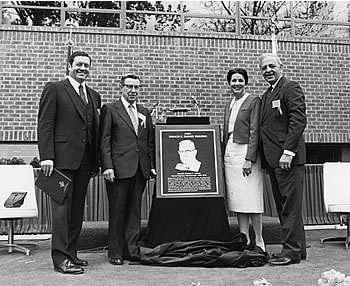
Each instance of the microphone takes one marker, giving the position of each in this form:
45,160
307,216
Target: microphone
161,117
195,102
154,109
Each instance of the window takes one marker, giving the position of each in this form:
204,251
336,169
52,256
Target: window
326,19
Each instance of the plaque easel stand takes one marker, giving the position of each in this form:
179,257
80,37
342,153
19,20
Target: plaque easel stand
187,219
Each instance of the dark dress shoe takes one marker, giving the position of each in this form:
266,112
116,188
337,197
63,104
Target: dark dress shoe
278,255
116,261
282,261
68,267
79,262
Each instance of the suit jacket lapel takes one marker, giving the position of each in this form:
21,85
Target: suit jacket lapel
92,98
243,105
274,95
95,105
143,111
124,114
73,95
227,119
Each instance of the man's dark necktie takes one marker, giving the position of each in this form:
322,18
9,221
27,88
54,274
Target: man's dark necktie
267,94
82,94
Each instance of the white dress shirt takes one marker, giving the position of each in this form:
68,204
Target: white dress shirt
134,109
76,85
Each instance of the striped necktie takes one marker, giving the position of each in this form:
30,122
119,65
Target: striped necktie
133,117
82,94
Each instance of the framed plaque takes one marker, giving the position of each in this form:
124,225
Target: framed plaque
188,161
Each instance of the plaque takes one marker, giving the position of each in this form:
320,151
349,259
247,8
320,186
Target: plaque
188,161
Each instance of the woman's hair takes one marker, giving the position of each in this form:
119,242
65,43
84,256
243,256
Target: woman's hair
241,71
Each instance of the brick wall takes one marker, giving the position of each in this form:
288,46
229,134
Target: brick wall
173,67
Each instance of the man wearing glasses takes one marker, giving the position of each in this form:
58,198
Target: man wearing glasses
188,153
127,159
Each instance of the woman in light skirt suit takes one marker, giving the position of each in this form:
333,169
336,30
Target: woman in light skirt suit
243,177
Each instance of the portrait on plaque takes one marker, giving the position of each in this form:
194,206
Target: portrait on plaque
188,161
188,157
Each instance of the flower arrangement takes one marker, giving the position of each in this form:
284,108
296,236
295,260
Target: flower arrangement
328,278
13,161
333,278
261,282
19,161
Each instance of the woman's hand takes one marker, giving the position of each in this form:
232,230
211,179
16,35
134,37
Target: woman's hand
247,168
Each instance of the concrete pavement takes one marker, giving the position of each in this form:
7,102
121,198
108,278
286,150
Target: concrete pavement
36,269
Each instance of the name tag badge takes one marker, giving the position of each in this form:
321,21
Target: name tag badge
276,103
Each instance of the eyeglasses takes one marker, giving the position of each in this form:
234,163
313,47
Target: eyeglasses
271,66
130,86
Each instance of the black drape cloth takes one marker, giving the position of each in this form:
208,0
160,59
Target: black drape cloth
204,253
187,219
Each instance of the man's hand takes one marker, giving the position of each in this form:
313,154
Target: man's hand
153,174
109,175
47,167
286,162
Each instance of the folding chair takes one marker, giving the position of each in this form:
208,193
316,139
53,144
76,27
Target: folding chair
336,184
16,178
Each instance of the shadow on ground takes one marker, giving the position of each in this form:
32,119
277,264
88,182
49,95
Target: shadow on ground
37,269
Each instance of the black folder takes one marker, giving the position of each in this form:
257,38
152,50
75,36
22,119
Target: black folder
56,186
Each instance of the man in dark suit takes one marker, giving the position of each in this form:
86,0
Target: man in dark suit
67,131
282,123
127,158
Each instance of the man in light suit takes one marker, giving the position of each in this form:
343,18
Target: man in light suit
282,123
127,158
68,124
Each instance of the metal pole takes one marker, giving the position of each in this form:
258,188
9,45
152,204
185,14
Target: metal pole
10,235
274,22
238,18
292,22
71,23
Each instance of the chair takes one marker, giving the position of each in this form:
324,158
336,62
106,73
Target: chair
336,181
18,178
